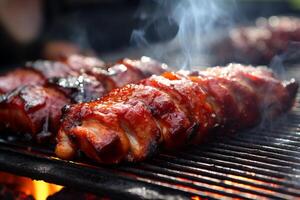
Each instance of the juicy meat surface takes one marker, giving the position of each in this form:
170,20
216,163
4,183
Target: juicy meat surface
18,77
36,109
33,109
127,71
37,72
172,110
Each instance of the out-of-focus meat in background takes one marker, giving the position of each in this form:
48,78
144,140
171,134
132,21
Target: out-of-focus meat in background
51,28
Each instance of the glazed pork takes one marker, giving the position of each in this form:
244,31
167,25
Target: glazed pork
171,111
36,109
37,73
260,43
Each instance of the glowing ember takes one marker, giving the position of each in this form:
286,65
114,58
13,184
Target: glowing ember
40,190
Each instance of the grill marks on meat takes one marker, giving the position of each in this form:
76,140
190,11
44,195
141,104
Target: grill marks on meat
36,109
171,111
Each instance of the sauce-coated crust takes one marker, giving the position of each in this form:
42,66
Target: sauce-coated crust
172,110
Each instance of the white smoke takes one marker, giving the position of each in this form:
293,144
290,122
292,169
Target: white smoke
291,56
191,24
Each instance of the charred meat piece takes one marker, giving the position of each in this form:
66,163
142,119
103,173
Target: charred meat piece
37,73
33,109
172,110
258,44
36,110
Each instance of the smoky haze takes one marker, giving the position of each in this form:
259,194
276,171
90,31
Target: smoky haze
178,32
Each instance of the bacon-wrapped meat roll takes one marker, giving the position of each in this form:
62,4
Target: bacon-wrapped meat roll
170,111
37,109
37,73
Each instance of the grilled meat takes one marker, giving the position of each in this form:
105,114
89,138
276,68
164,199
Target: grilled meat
172,110
37,109
37,73
258,44
81,88
33,109
18,77
127,71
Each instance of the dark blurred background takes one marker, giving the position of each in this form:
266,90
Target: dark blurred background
34,29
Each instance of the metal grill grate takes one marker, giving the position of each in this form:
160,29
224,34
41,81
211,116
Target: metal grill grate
258,164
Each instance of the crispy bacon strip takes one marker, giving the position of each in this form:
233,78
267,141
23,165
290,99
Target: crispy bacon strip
172,110
37,109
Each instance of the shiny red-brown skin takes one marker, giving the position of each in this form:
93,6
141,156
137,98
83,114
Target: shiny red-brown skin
171,111
18,77
40,119
78,63
145,65
127,71
33,109
123,72
37,73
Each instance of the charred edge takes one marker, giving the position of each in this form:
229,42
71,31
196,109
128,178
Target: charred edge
65,109
152,148
69,124
192,131
111,153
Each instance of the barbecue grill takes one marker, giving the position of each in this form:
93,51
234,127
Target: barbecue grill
263,163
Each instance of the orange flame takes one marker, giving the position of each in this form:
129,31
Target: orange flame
40,190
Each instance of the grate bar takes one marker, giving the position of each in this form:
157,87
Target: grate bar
268,154
240,178
230,167
185,182
268,168
226,183
273,162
